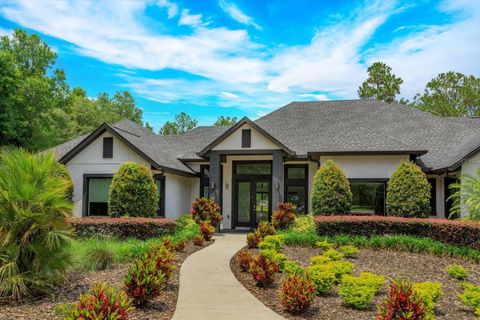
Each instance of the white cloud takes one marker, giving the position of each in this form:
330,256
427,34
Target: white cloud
229,95
172,8
236,14
188,19
319,97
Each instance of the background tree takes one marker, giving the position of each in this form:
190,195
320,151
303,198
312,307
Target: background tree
381,83
225,121
331,192
450,94
183,122
408,192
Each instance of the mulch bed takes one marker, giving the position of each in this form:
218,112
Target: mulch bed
417,267
160,308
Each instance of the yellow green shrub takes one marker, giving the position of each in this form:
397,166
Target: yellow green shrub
457,271
333,254
430,293
319,260
471,297
349,251
358,292
323,280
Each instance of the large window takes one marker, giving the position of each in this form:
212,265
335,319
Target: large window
368,197
204,181
97,190
296,186
253,168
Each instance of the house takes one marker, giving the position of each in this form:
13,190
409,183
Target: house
251,166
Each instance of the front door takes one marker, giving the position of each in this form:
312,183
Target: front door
252,202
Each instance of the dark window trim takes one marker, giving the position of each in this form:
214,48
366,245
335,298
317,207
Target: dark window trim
161,201
107,147
204,181
246,138
433,196
296,182
87,176
237,162
385,182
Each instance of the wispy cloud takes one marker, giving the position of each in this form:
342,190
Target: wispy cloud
172,8
229,95
238,15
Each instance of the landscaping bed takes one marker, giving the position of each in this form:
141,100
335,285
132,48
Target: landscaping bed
392,264
161,307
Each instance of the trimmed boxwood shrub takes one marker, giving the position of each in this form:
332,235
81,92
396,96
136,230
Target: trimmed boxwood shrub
460,233
408,192
331,192
133,192
141,228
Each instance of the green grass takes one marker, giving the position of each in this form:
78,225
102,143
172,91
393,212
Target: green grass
125,249
400,243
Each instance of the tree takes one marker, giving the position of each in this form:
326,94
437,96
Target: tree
451,94
33,226
225,121
408,192
467,196
133,192
330,191
381,83
183,122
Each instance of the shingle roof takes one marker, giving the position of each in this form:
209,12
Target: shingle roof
323,126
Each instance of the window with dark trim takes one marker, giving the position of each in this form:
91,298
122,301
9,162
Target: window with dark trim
296,186
246,138
368,196
204,181
108,147
95,194
160,182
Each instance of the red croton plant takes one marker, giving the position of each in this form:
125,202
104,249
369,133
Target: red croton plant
401,303
204,209
263,270
297,293
284,216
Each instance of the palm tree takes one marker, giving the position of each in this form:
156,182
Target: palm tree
467,196
34,231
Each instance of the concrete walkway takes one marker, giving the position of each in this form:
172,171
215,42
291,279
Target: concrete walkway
210,291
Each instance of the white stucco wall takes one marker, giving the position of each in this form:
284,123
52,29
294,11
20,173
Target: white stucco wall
234,141
177,195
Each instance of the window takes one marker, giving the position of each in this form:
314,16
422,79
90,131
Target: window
108,147
97,190
246,138
296,186
433,196
253,168
160,182
204,181
368,197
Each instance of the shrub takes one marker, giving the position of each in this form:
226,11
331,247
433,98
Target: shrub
284,217
292,268
263,270
324,245
244,258
198,240
430,293
333,254
143,281
402,303
102,303
339,268
275,242
278,258
253,239
471,297
168,244
330,191
408,192
297,294
133,192
140,228
358,292
457,271
99,259
466,196
265,229
349,251
180,245
263,245
34,231
164,259
304,224
460,233
323,280
319,260
207,230
206,210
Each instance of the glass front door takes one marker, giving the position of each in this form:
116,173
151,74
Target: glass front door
252,202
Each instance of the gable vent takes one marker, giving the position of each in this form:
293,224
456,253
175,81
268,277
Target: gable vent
246,138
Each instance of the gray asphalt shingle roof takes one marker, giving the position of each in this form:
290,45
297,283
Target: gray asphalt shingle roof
323,126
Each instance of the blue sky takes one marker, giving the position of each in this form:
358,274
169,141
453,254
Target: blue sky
236,57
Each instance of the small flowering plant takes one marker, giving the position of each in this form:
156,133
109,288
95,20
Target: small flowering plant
263,270
297,293
198,240
207,230
204,209
101,303
143,281
244,258
284,217
402,303
163,259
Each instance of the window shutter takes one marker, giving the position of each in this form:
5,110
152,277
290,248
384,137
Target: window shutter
108,147
246,138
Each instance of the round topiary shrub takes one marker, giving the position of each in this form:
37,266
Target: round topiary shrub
133,192
408,192
330,191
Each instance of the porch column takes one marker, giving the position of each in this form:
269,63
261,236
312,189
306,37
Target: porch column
277,179
215,186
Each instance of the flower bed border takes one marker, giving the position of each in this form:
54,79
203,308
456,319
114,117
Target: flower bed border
141,228
460,233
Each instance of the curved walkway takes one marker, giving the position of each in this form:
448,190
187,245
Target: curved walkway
209,290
